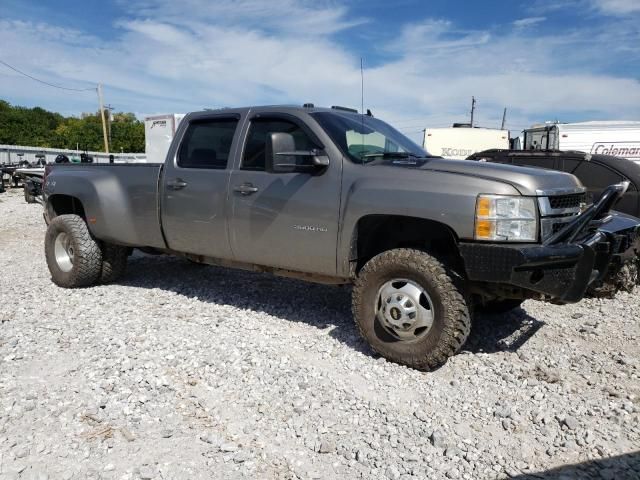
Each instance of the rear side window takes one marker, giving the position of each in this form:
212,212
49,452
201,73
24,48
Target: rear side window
568,164
254,157
207,144
594,175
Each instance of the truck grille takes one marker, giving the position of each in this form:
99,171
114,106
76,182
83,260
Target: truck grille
573,200
557,210
552,225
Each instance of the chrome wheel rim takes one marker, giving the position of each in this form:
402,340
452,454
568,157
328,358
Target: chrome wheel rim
64,252
404,309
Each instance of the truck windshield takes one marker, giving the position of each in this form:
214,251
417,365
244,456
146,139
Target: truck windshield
365,139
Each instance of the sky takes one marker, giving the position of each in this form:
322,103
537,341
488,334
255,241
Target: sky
566,60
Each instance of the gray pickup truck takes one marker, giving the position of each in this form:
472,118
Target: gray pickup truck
332,196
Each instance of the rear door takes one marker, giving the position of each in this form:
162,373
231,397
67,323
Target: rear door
284,220
194,190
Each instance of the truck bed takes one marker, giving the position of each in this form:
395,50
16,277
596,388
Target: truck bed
131,199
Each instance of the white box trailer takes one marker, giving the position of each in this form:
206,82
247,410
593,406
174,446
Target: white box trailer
159,130
618,138
458,142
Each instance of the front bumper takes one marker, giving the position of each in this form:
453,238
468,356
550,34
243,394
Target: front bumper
562,272
623,268
584,253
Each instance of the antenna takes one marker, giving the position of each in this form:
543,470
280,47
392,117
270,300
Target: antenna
473,107
504,118
362,108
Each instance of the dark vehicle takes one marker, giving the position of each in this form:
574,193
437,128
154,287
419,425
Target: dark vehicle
596,172
8,174
15,173
332,196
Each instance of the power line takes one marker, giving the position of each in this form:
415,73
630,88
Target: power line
46,83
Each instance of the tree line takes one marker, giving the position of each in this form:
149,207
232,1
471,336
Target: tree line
38,127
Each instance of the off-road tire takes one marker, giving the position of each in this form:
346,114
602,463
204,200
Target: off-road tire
498,307
451,322
114,262
27,196
87,264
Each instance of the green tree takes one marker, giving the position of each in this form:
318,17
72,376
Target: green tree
41,128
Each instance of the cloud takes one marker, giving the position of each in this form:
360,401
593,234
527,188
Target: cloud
299,17
169,56
617,7
528,22
424,36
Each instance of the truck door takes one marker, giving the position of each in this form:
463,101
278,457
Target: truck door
284,220
194,190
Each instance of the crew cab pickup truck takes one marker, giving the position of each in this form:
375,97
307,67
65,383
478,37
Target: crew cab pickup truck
329,195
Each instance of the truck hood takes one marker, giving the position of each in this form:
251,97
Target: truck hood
528,181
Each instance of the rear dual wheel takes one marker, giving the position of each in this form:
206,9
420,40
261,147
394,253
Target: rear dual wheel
28,197
75,259
114,262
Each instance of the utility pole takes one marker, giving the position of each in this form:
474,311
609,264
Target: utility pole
104,122
473,108
109,108
504,118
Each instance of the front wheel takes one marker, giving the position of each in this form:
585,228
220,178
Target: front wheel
410,310
73,256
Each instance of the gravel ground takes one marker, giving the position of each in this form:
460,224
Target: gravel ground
184,371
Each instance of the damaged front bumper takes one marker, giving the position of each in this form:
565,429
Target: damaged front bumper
623,269
587,252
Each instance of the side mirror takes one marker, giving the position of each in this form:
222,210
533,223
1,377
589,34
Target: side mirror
282,156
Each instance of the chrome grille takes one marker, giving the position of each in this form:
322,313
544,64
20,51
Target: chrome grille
558,207
568,201
551,225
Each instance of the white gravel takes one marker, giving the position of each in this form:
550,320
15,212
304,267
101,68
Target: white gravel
189,372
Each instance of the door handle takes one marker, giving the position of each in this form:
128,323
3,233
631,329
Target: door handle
177,184
245,189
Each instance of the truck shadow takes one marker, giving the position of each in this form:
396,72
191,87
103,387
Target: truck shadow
621,467
502,333
325,307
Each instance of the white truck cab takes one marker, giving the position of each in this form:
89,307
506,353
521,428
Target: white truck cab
617,138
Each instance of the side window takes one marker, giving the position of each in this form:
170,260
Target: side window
535,139
254,150
596,176
568,164
552,139
207,143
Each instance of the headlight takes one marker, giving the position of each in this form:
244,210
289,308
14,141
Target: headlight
506,219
